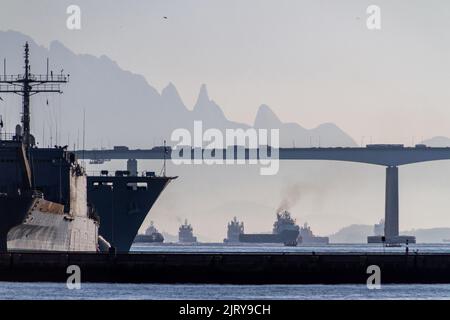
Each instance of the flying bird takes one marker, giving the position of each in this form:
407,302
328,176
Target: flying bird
165,17
1,98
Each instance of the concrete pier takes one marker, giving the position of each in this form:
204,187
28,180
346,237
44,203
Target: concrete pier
391,212
391,203
248,268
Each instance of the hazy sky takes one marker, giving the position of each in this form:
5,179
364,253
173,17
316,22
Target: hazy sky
310,61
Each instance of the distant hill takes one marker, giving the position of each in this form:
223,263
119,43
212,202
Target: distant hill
122,108
437,142
358,234
434,235
325,135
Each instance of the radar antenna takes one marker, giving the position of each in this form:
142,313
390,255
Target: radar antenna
29,84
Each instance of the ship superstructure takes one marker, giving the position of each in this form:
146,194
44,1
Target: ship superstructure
378,228
284,222
151,235
235,229
186,233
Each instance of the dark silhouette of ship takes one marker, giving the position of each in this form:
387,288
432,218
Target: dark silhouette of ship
306,236
186,233
151,235
123,201
235,229
46,200
284,231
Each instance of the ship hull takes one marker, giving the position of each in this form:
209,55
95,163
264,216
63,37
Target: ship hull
122,203
286,237
32,224
13,210
149,238
314,240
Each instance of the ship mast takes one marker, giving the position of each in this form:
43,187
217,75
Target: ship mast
27,85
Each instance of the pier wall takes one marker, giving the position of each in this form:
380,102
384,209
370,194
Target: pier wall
226,268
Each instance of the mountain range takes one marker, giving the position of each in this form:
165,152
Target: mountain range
122,108
357,233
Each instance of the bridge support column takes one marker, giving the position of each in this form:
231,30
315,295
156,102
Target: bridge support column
391,228
391,212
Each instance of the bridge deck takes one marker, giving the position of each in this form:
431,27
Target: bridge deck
378,156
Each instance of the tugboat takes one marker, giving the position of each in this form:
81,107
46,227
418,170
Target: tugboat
151,235
186,233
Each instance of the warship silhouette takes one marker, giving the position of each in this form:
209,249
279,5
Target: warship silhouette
48,203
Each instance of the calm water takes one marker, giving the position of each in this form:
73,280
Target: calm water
154,291
10,290
341,248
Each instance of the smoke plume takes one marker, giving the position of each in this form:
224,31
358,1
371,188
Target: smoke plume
291,195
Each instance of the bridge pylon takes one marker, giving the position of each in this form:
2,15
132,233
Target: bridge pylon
391,212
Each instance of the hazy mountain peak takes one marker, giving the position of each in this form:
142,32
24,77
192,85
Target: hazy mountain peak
170,91
56,45
328,125
203,95
13,36
265,117
207,110
106,88
171,98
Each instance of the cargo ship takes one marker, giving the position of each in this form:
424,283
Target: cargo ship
284,231
38,186
151,235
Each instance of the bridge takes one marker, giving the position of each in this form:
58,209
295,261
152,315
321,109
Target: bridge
388,155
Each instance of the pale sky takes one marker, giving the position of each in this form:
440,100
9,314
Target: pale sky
310,61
